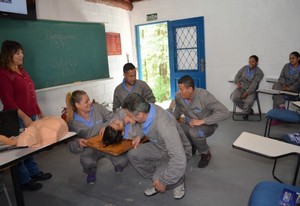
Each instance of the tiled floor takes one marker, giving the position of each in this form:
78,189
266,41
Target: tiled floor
227,181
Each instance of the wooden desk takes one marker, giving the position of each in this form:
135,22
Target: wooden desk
267,147
10,158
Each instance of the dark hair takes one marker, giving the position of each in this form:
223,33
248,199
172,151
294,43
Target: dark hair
71,99
135,103
127,67
8,50
254,57
187,81
111,136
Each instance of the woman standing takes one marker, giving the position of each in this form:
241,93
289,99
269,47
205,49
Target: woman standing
17,92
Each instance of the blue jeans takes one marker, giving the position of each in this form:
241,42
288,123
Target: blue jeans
27,167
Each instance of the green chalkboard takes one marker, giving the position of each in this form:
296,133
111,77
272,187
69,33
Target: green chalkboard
57,53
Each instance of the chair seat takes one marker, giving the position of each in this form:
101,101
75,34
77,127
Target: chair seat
268,193
284,115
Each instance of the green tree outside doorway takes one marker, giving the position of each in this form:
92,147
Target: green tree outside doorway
155,59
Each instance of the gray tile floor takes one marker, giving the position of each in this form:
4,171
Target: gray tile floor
227,181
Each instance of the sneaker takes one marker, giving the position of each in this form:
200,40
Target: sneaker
32,186
150,192
179,191
245,116
119,169
91,179
41,176
205,158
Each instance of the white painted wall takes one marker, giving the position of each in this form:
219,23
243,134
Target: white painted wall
116,20
234,30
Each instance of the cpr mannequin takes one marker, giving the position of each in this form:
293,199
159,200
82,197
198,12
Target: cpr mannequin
41,132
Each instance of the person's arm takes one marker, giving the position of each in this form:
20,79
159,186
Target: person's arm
238,78
116,100
220,112
177,159
283,75
148,94
177,110
256,80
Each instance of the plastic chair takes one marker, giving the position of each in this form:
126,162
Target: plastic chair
281,115
268,193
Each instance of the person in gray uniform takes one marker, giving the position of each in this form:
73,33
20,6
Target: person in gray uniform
289,80
86,119
131,85
247,80
164,158
201,112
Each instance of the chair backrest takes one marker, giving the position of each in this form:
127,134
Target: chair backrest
9,123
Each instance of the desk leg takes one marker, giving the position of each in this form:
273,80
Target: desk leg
273,171
297,170
17,185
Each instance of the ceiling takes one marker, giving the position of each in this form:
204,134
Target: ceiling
123,4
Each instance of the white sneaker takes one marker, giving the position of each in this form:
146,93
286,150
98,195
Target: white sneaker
150,192
179,192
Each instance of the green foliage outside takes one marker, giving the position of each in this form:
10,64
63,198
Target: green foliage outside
155,59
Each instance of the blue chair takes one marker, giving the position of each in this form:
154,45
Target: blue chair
281,115
268,193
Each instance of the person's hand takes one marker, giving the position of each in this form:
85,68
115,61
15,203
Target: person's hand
101,132
27,121
41,115
285,87
136,142
238,85
244,96
82,142
159,187
128,120
196,122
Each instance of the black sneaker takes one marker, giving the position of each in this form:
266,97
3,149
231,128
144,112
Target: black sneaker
245,116
41,176
205,158
32,186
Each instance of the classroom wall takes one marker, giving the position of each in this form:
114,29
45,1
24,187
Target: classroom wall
117,20
234,30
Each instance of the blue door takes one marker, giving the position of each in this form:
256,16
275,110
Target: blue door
186,51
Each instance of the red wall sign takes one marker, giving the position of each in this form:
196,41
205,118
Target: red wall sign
113,43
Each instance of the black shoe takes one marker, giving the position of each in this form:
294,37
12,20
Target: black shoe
41,176
245,116
194,150
119,169
205,158
251,112
32,186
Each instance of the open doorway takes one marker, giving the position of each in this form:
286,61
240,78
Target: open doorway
153,58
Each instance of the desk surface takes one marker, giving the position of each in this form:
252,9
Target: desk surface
273,91
272,80
7,157
264,146
297,103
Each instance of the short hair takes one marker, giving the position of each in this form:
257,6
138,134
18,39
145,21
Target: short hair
187,81
111,136
8,50
127,67
135,103
254,57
